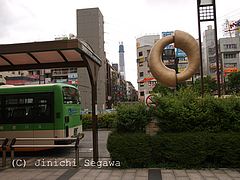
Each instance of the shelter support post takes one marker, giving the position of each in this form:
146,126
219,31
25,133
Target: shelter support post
94,122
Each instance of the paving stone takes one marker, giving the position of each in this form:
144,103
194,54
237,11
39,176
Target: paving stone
80,174
195,176
166,171
210,178
178,173
142,173
206,173
114,178
168,176
52,177
218,171
130,171
222,176
141,178
59,171
191,171
104,175
93,173
118,173
182,178
233,173
128,175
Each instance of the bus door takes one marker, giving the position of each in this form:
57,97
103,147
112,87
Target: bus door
15,122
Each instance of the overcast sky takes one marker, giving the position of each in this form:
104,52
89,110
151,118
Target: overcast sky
42,20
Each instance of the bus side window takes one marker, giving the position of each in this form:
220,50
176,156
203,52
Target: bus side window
34,111
19,113
48,110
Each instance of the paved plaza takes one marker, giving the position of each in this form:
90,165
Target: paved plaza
63,169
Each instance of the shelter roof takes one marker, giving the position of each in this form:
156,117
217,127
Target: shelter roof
46,55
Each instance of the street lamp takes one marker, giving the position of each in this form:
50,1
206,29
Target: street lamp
207,12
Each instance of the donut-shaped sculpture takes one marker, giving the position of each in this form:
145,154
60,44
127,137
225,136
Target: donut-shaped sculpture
165,75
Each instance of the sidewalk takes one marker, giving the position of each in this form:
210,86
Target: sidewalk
33,171
116,174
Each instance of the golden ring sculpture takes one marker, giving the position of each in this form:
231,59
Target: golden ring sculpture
165,75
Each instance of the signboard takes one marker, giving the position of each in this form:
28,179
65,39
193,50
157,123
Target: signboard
61,80
180,53
167,33
72,75
33,76
181,69
231,28
183,60
142,59
149,100
230,69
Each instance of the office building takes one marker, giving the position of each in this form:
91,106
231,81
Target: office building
90,27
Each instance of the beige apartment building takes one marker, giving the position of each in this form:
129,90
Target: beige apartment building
145,79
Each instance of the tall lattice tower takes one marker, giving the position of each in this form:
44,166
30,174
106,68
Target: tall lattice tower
121,61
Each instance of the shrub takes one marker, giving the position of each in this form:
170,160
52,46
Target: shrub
132,118
185,111
133,150
104,120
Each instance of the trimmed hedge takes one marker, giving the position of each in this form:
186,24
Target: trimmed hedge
133,150
176,150
104,120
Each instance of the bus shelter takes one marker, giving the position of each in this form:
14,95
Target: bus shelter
55,54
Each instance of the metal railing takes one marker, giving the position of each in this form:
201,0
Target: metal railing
76,145
4,144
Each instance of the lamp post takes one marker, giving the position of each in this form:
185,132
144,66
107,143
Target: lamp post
207,12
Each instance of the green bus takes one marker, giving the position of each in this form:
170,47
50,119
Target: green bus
40,111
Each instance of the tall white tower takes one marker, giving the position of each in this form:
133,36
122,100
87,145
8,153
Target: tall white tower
121,61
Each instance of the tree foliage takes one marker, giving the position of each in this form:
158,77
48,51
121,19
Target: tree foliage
161,89
234,79
209,84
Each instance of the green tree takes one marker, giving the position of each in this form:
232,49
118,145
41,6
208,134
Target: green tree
210,84
234,79
159,88
1,83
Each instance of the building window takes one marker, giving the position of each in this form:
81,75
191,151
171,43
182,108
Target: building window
142,93
229,56
140,53
140,64
141,74
230,46
13,72
141,84
230,65
0,76
148,52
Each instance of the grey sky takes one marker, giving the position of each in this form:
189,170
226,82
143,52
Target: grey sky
41,20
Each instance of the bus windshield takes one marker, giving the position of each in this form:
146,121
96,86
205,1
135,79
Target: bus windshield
70,95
